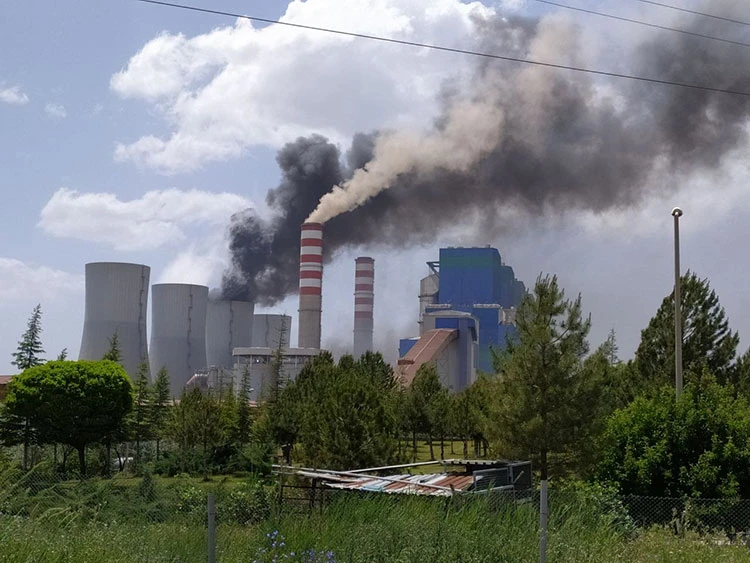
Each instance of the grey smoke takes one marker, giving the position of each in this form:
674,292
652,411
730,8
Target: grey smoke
565,140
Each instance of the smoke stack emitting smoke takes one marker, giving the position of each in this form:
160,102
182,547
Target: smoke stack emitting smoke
516,135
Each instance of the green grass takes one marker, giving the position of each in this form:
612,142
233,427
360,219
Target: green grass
375,529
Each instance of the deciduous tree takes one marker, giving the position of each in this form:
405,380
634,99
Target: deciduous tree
73,403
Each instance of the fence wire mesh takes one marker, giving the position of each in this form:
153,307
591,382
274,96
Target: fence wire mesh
176,507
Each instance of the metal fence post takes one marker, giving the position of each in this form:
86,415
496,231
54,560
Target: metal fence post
543,522
211,528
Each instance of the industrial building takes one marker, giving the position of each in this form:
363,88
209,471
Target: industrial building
257,366
466,307
116,302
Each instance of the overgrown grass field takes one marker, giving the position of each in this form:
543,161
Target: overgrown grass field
354,529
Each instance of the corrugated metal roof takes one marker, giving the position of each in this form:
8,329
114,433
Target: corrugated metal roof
437,484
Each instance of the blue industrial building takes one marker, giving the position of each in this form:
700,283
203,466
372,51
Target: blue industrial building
471,292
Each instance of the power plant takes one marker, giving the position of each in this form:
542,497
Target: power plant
467,306
178,331
116,303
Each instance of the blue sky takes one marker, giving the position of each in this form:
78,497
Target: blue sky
67,122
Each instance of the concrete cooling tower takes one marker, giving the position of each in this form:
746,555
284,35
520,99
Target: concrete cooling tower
116,301
229,324
178,331
268,329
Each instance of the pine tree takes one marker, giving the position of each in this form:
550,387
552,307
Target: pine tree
609,349
277,368
30,345
159,406
114,353
544,395
707,340
63,355
244,414
142,410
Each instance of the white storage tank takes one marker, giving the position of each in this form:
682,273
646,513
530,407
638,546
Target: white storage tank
116,302
178,331
229,325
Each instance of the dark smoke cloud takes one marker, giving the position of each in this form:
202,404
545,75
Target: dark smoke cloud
563,144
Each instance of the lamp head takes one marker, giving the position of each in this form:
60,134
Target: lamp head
677,212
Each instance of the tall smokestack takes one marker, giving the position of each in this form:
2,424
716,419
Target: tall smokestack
310,285
364,297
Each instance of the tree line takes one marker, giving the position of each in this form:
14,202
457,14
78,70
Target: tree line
572,410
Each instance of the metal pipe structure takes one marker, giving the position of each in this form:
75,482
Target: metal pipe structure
364,297
178,331
310,285
116,302
677,213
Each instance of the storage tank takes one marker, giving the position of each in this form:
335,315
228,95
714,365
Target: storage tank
229,324
178,331
268,328
116,301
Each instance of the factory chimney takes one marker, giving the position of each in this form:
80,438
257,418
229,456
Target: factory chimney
310,285
364,296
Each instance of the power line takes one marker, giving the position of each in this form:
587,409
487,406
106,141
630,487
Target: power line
640,22
694,12
452,49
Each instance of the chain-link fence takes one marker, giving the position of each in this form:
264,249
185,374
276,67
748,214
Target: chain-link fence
172,515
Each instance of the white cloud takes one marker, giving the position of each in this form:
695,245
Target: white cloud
20,280
155,219
237,86
201,264
13,95
56,110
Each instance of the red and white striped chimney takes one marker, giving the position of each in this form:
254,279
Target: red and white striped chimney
364,297
310,285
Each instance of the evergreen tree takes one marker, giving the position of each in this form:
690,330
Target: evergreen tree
30,346
609,349
63,355
423,394
114,354
707,340
161,399
244,412
544,396
277,368
142,416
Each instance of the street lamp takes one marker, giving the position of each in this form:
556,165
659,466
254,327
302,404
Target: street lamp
677,213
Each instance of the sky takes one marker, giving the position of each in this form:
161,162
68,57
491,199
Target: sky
132,132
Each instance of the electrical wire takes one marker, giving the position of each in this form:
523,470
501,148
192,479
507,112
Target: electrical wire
452,49
640,22
694,12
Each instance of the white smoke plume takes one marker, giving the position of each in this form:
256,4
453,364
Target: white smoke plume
472,129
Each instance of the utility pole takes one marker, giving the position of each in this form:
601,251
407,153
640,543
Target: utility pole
677,213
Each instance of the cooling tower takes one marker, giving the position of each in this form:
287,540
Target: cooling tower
310,285
229,324
268,329
116,301
364,297
178,331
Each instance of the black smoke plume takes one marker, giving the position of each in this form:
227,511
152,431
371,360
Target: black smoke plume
568,141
